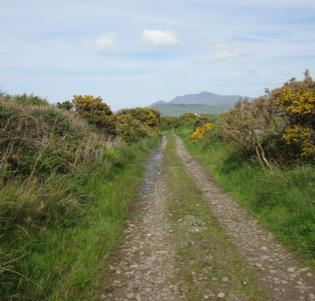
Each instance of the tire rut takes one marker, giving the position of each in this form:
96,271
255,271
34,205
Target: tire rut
276,268
145,267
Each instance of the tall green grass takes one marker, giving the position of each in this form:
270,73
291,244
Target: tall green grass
283,200
64,194
61,260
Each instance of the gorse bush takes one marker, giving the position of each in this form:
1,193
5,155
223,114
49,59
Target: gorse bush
130,125
43,150
128,128
36,140
296,99
200,132
168,122
57,165
277,129
96,112
149,118
137,123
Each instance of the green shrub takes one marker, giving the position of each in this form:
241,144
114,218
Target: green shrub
147,117
129,129
62,201
283,199
96,112
44,140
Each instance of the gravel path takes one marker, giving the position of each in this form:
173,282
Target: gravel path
145,265
276,268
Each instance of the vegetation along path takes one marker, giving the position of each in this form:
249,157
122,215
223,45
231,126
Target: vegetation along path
175,248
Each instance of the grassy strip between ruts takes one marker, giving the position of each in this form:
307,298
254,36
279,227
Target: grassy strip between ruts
209,268
63,263
283,200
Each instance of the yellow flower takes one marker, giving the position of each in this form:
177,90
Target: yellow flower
200,132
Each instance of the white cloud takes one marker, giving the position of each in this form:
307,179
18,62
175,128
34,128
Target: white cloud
222,51
106,43
159,38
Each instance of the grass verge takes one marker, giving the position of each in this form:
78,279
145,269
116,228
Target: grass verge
208,266
63,261
282,200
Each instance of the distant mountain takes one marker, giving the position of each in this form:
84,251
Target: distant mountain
206,98
202,103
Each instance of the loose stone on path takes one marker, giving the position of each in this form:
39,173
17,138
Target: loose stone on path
276,268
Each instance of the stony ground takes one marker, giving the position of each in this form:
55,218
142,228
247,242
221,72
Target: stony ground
145,269
150,262
276,268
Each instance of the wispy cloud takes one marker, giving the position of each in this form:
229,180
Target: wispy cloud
106,43
154,42
159,38
221,50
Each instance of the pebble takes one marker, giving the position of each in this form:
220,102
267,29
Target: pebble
149,269
225,279
221,295
130,295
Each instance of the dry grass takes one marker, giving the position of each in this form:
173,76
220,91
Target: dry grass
61,201
43,139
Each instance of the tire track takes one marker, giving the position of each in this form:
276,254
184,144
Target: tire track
276,268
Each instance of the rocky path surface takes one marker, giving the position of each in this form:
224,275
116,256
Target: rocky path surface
168,253
277,270
145,265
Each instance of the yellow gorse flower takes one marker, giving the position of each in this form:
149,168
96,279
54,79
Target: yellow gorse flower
201,131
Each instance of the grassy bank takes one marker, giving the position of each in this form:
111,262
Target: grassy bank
61,261
282,200
207,262
63,200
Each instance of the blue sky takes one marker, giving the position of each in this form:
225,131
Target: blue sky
132,53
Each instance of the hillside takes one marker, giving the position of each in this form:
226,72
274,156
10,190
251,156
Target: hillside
204,102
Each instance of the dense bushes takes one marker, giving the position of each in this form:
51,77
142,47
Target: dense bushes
129,128
96,112
187,120
24,99
262,153
57,176
37,140
130,125
296,99
277,129
42,150
57,255
249,126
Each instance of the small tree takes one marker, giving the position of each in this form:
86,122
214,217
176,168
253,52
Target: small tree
249,125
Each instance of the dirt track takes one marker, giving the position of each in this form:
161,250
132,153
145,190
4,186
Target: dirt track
146,266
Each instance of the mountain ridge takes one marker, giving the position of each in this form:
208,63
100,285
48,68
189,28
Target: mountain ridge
200,103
